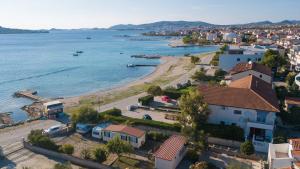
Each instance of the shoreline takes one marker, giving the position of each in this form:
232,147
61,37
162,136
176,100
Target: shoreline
166,63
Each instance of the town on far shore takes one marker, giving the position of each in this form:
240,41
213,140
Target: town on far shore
235,108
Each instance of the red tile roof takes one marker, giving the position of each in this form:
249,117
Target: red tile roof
170,147
242,67
249,92
125,129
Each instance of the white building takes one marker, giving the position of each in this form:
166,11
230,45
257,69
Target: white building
284,156
294,57
211,36
242,70
170,153
229,37
249,103
53,108
134,136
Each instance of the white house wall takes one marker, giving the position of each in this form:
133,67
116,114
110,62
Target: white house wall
228,61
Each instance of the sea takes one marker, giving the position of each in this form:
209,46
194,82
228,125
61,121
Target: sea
45,62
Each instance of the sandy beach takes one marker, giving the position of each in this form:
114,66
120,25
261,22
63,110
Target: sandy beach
171,71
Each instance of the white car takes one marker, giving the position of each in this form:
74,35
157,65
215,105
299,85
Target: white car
53,129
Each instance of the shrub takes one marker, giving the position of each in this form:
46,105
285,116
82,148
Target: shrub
100,154
63,166
113,112
247,148
157,136
192,155
67,149
194,59
146,100
154,90
85,154
172,93
85,114
200,165
37,138
118,146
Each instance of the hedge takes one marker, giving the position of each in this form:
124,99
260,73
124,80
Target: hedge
229,132
151,123
146,100
173,94
113,112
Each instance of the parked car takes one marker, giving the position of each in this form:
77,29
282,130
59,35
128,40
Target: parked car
83,128
165,99
147,117
131,107
53,129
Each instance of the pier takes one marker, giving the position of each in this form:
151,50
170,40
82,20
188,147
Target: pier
140,65
30,94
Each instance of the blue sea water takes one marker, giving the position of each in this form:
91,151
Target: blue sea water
45,62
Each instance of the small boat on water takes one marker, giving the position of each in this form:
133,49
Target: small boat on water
75,54
79,51
130,65
88,38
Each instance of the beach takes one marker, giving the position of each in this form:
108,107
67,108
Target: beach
171,71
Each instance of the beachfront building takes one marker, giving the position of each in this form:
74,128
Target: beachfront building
249,103
53,108
239,54
242,70
286,155
134,136
171,152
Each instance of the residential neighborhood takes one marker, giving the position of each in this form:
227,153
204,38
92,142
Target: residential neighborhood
161,95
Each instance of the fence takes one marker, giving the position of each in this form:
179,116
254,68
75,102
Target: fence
65,157
224,142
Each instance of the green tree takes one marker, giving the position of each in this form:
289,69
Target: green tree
85,114
194,59
194,111
247,148
154,90
200,165
37,138
187,39
63,166
273,59
290,78
100,154
67,149
118,146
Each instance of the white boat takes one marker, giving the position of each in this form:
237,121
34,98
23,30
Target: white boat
297,79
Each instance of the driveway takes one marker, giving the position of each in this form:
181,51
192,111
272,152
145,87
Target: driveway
15,134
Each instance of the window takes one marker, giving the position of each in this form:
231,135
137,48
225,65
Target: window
260,76
259,59
136,140
237,112
238,59
123,137
249,59
95,133
223,107
107,134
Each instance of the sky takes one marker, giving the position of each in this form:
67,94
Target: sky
45,14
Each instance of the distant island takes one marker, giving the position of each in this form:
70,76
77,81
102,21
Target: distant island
19,31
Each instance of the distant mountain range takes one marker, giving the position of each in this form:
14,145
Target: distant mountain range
19,31
177,25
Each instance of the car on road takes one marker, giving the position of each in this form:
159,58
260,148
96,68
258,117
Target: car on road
53,129
83,128
147,117
165,99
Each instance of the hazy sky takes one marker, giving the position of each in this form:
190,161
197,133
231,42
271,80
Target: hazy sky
104,13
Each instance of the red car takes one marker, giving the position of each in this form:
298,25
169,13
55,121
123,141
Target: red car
165,99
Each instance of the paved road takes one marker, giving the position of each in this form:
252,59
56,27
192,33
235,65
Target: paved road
9,136
122,104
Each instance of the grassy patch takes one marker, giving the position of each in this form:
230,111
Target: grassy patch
126,162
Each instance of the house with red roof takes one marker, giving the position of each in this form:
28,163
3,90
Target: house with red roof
285,155
171,152
249,103
134,136
244,69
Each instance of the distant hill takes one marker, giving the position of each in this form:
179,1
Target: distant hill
176,25
19,31
162,25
